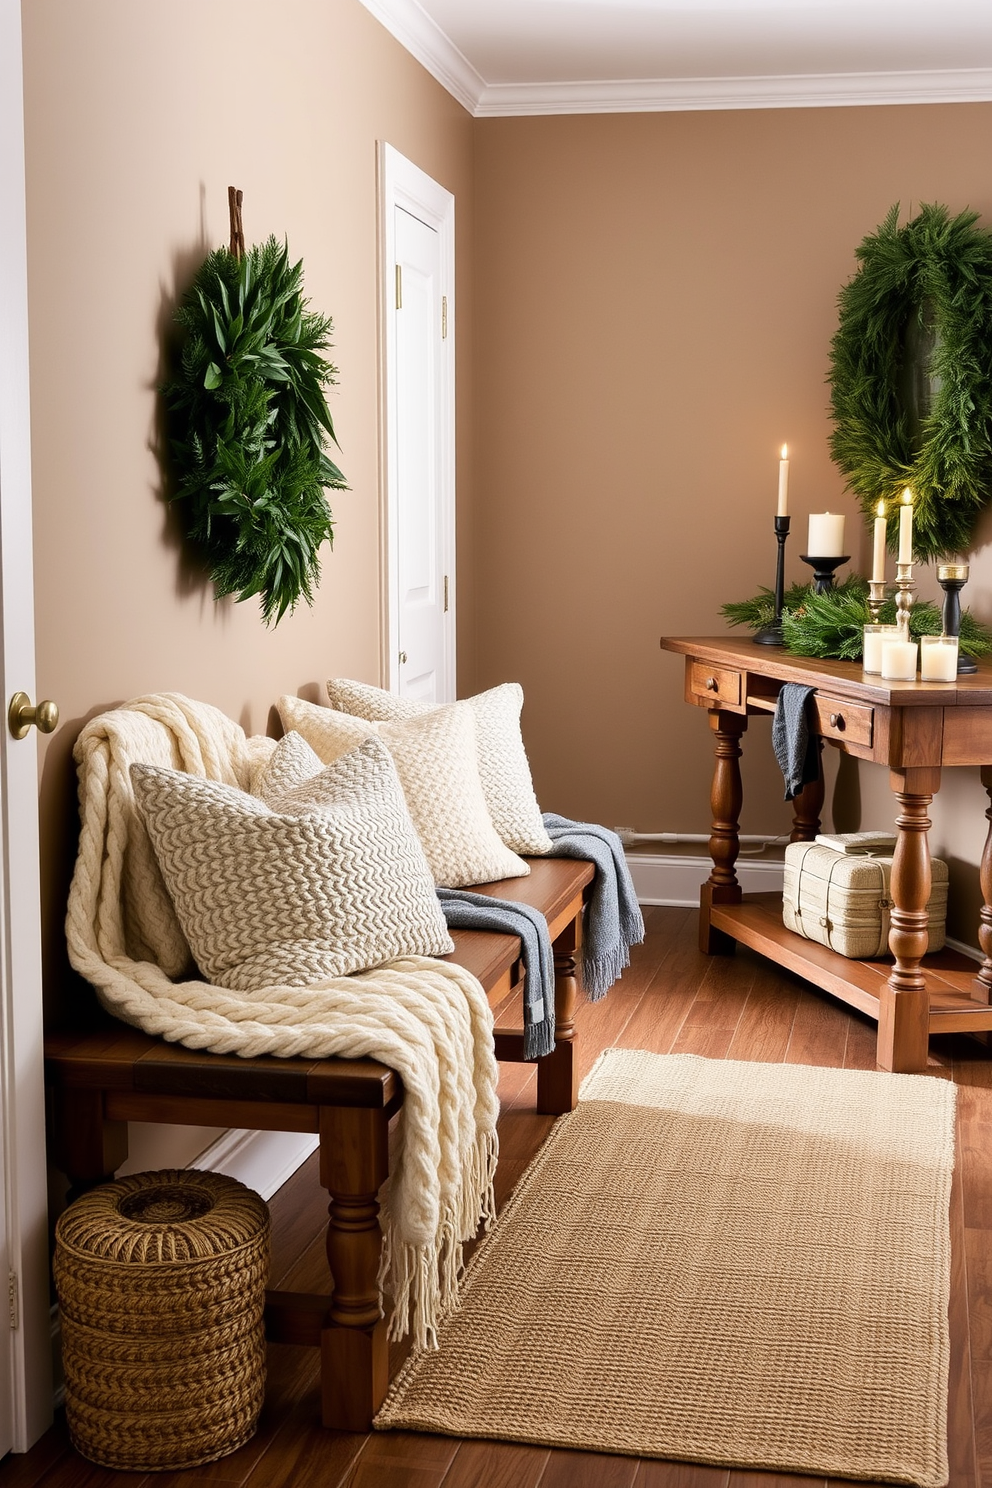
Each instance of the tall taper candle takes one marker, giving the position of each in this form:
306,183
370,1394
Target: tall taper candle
878,551
906,527
783,483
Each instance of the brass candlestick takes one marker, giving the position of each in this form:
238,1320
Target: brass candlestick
905,588
876,598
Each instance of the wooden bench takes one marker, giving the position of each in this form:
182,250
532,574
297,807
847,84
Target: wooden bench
108,1074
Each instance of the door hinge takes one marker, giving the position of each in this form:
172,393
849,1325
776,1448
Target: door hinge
446,594
14,1299
444,317
399,286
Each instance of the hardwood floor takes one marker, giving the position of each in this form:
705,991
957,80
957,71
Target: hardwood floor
671,1000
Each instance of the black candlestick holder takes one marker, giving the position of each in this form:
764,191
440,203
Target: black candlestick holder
823,571
772,635
952,578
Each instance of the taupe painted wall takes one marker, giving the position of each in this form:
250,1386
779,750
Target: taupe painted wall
656,299
138,117
645,309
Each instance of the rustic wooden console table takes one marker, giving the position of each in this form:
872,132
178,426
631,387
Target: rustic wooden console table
915,728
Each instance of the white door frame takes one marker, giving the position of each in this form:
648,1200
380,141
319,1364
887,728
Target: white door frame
403,184
27,1343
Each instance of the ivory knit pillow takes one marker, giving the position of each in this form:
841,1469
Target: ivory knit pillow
435,758
333,882
503,766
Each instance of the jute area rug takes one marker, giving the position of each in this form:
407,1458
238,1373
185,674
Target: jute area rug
732,1263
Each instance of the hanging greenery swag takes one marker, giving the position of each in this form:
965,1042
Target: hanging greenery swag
832,624
249,422
933,275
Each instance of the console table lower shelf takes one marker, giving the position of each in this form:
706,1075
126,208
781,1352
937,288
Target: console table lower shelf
958,1001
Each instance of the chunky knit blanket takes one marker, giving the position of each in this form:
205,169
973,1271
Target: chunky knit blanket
428,1020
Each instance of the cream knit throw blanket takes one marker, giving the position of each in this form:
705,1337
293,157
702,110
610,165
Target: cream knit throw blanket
428,1020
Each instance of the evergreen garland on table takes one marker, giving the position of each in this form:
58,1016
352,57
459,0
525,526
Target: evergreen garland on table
940,268
249,420
832,625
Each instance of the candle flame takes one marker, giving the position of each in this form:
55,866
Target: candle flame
880,509
785,452
907,497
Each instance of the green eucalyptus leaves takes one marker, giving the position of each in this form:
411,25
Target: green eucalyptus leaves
249,423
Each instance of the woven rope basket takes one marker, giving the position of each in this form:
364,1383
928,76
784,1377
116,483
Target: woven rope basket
161,1285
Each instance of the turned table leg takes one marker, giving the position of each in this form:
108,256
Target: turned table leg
985,877
354,1357
904,1006
558,1072
726,799
807,806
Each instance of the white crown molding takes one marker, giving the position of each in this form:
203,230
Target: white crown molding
657,95
423,38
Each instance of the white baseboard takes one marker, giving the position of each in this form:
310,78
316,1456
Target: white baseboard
262,1160
676,880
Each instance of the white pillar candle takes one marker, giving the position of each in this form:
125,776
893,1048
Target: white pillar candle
874,639
899,660
783,483
906,527
939,658
878,550
826,536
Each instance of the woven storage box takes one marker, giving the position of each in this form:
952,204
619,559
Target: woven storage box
161,1283
842,899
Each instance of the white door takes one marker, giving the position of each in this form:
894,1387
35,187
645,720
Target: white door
25,1329
418,399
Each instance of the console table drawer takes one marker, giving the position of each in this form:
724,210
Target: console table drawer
838,719
710,684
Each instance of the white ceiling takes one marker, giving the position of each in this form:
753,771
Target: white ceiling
590,56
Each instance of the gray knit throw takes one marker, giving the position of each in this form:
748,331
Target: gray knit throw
464,910
613,921
794,742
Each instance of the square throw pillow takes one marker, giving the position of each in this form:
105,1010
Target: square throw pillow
332,881
503,766
435,758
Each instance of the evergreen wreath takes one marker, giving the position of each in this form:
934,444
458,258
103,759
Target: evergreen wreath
832,624
934,266
249,419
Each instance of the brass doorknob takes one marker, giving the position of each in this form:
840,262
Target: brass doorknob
22,714
402,658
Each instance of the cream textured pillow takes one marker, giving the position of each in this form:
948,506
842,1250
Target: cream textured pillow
332,882
503,766
435,758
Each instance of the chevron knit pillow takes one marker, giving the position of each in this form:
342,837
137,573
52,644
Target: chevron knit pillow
332,881
436,761
503,766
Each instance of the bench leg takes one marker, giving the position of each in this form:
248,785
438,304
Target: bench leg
558,1072
88,1147
354,1356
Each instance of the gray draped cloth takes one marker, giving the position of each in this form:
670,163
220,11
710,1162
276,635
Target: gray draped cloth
795,744
613,921
464,910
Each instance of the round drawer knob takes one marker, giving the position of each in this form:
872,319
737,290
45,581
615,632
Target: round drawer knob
837,720
712,684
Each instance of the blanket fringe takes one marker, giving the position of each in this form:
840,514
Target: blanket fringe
424,1280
